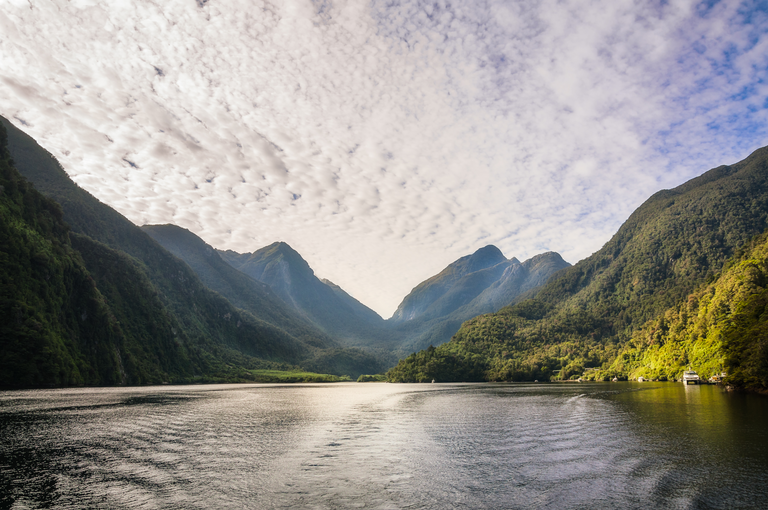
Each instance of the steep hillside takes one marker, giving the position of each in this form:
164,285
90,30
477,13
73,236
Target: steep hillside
585,315
240,289
218,336
479,283
721,327
56,328
326,306
454,286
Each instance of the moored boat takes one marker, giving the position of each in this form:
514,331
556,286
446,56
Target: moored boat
691,377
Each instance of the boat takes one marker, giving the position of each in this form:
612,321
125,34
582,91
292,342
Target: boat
691,377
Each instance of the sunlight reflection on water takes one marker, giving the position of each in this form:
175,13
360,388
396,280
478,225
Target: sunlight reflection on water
652,445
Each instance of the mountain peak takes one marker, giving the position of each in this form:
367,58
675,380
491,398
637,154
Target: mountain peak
487,256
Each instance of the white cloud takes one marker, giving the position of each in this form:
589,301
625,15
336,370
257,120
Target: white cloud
385,140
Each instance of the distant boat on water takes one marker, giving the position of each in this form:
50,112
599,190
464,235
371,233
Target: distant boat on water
691,377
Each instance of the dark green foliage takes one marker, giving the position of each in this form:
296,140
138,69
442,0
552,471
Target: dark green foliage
584,316
348,361
56,328
440,365
372,378
322,353
295,376
239,289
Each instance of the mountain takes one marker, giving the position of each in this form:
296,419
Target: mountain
584,316
56,329
174,327
77,312
241,290
322,303
258,298
454,286
479,283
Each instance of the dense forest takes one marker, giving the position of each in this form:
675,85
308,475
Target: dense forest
583,319
56,327
722,326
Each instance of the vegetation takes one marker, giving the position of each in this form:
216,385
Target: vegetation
56,328
324,304
722,327
279,376
372,378
323,352
479,283
679,285
585,316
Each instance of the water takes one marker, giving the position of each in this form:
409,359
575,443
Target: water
435,446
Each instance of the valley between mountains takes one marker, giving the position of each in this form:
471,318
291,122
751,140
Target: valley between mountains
89,298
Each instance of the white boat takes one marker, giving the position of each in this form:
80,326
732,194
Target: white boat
691,377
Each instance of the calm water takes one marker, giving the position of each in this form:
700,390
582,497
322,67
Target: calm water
620,445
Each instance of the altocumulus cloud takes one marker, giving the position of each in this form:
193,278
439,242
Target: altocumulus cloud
383,140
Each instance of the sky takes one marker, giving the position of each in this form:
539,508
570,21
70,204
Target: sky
383,140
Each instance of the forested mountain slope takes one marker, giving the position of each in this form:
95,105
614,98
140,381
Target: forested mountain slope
259,299
583,317
240,289
60,328
721,327
55,327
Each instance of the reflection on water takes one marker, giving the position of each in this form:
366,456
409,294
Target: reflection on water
629,445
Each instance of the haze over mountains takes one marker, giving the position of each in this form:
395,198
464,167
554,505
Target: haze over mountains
478,283
324,304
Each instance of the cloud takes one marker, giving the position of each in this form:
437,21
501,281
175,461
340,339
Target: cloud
385,140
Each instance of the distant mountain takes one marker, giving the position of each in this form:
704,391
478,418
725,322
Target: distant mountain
479,283
173,326
322,303
454,286
240,289
583,317
258,298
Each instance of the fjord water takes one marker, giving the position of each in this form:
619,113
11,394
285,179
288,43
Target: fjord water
351,445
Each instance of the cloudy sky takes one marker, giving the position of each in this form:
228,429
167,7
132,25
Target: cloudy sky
385,139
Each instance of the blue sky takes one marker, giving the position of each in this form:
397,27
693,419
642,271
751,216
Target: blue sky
384,140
